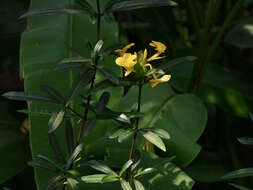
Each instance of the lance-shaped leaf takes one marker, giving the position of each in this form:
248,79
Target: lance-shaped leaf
239,186
68,66
125,167
138,4
103,100
72,183
80,83
98,47
86,6
50,161
246,140
167,65
109,74
101,167
73,156
56,148
144,172
110,178
42,164
90,124
154,139
69,136
160,132
51,92
138,185
246,172
97,178
52,183
71,9
76,60
125,185
55,121
23,96
122,134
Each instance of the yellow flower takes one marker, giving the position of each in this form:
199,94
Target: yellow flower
156,81
159,47
123,50
127,61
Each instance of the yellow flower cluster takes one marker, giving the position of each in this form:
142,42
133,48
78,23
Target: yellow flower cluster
129,60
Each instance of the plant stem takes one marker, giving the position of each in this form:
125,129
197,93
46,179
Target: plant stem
73,111
137,123
93,78
203,65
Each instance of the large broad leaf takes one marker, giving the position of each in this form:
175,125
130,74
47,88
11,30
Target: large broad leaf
219,86
242,34
42,48
183,117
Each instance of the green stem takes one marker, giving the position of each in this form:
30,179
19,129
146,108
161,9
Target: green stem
137,123
93,78
205,62
194,18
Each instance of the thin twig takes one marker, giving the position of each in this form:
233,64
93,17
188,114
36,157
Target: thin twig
137,123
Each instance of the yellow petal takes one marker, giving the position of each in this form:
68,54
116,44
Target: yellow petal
124,49
160,47
145,54
155,82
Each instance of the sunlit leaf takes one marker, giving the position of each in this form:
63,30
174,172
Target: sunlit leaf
138,185
154,139
246,140
110,178
125,167
73,156
55,121
246,172
97,178
101,167
125,185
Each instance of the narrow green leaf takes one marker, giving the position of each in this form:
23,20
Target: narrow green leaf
72,183
155,71
97,178
42,164
23,96
69,136
51,92
50,161
56,148
73,156
98,47
68,66
110,178
160,132
239,186
246,140
125,185
101,167
80,83
139,4
122,134
154,139
109,74
55,121
144,172
125,167
103,100
76,60
89,127
246,172
86,6
71,9
138,185
52,183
